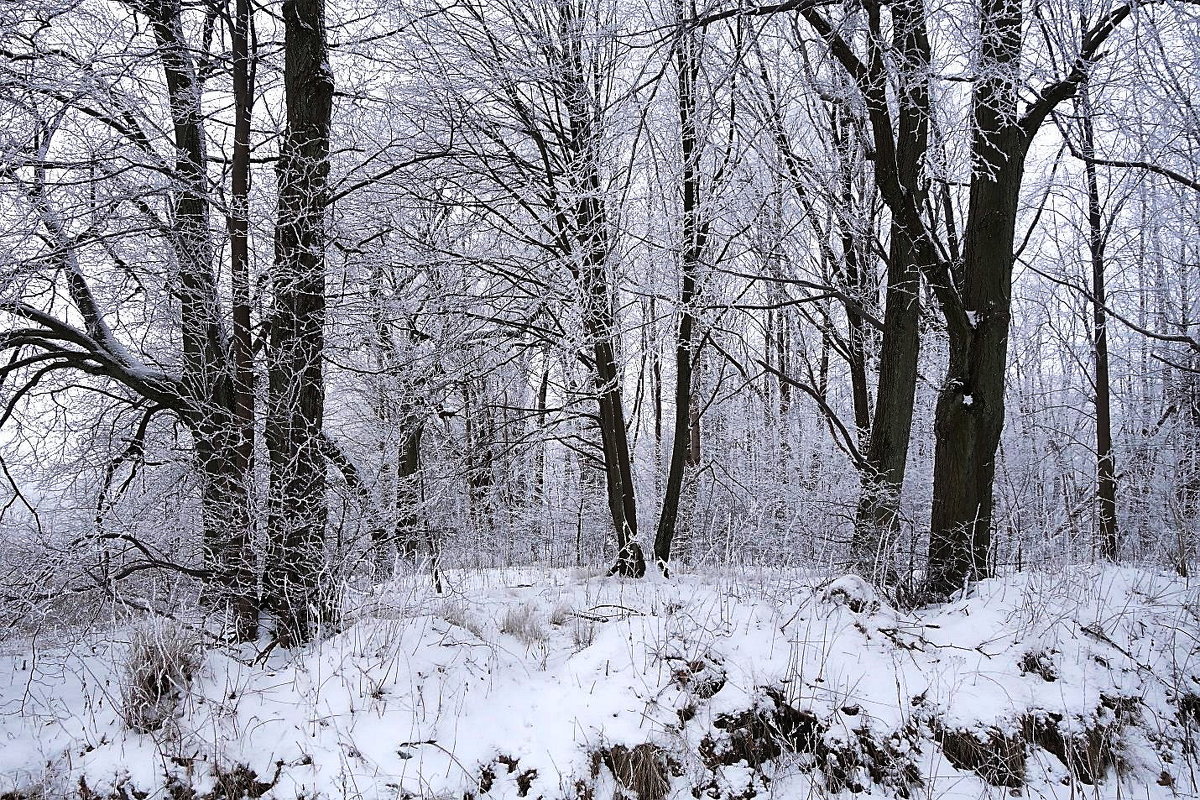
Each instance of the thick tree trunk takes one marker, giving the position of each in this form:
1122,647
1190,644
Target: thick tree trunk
296,392
878,517
408,533
970,408
898,176
600,322
226,508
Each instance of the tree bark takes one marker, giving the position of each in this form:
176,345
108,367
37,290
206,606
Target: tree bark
408,489
207,366
900,148
970,409
239,256
586,231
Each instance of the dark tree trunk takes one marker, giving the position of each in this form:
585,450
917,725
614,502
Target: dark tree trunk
970,410
543,392
584,239
878,516
296,393
409,526
685,438
1106,474
900,148
480,441
239,255
207,366
618,471
856,324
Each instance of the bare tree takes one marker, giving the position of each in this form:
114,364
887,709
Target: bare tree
201,390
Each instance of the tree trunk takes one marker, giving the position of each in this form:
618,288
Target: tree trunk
239,256
1106,475
900,154
685,438
408,489
296,392
970,408
585,237
207,369
878,517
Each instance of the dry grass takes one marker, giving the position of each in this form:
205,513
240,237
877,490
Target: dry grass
456,613
583,633
523,623
644,770
160,666
559,615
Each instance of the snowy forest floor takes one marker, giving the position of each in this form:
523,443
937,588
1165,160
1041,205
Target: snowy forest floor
556,684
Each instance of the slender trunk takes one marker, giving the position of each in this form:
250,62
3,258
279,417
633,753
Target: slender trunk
656,386
239,256
858,339
685,440
584,232
618,470
296,392
1106,476
542,395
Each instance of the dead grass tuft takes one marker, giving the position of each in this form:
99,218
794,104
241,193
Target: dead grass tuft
644,770
159,668
523,623
995,756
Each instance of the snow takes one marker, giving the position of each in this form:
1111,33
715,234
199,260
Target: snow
421,693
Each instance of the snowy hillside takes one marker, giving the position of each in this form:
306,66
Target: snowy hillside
522,683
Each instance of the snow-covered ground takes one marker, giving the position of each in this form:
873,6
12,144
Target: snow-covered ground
559,684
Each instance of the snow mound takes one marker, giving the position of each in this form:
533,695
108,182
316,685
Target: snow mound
549,684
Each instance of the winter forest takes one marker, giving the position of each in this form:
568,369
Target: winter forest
569,399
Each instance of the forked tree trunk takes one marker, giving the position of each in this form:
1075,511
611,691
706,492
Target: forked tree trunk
900,148
584,233
222,453
970,409
295,580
